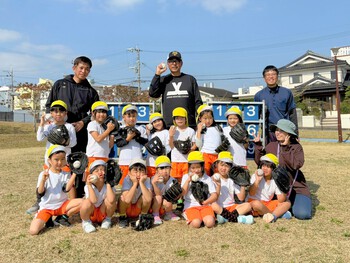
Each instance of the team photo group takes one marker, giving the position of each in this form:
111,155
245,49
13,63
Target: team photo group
181,165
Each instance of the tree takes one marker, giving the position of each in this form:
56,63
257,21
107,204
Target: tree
119,93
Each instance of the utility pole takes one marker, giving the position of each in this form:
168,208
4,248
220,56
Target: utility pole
11,92
137,68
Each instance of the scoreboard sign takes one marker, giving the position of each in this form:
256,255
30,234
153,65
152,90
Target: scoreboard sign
143,110
251,117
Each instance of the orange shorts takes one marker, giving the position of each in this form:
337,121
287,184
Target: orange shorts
198,212
271,205
151,170
64,168
125,171
45,214
209,159
232,207
133,210
178,170
97,216
91,160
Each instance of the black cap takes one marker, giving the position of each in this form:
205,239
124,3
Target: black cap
175,54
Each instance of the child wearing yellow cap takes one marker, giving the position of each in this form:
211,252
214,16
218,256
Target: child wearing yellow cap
58,116
180,131
130,139
53,186
262,190
239,150
156,128
100,140
226,207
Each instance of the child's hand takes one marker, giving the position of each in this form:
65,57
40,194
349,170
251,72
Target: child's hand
200,127
46,174
133,179
172,130
286,140
130,135
110,126
143,177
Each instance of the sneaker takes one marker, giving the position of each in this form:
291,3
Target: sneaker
171,217
49,223
106,223
157,220
123,222
248,220
62,220
88,227
269,218
32,210
221,220
287,215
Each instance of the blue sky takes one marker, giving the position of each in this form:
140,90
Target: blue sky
226,42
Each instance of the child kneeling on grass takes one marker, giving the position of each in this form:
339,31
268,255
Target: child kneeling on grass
262,190
53,186
198,211
100,200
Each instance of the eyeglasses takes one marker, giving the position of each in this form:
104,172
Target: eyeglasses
173,61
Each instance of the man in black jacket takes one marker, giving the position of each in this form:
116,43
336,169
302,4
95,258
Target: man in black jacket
177,89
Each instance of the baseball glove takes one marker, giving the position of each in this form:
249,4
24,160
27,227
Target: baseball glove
112,120
155,147
224,144
184,147
123,132
173,193
113,173
281,177
239,175
77,156
59,135
239,133
144,222
200,191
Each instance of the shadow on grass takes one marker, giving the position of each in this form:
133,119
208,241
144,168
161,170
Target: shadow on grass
313,189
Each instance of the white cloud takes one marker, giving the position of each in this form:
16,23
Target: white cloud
9,35
123,4
218,6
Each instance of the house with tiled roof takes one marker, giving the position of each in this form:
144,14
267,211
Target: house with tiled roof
214,94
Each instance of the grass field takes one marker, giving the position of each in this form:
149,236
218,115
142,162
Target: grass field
325,238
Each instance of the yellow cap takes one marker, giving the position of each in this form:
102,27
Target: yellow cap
59,103
163,161
129,107
225,156
180,112
203,108
270,158
54,149
234,110
99,105
195,157
155,116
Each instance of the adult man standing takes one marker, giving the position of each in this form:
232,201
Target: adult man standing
279,101
177,89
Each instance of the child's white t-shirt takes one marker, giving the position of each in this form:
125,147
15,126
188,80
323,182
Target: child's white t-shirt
163,187
227,192
164,138
265,192
189,200
94,148
211,140
127,184
176,155
101,195
237,150
132,150
54,196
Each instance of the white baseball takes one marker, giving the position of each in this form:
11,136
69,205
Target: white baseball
76,164
217,176
149,126
161,179
163,65
93,178
195,178
260,172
